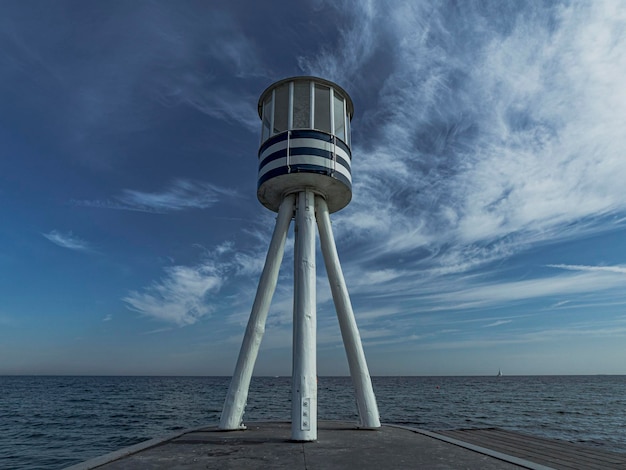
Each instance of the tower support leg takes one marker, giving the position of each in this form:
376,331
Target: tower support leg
232,413
366,401
304,374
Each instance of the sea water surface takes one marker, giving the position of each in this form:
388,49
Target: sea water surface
51,422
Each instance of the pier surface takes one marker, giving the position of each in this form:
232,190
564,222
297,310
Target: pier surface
340,445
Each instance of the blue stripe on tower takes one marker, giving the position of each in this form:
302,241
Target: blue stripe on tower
296,151
303,168
304,134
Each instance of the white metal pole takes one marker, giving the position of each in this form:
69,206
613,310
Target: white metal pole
232,413
304,375
366,401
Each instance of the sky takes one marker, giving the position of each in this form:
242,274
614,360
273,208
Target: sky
487,228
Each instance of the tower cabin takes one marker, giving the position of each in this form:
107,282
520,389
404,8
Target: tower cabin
305,141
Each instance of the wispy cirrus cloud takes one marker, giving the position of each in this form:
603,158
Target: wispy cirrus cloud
423,310
68,240
497,323
235,107
487,139
180,297
186,294
180,195
578,267
483,293
344,63
484,142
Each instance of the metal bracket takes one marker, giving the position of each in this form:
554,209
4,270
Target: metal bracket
305,419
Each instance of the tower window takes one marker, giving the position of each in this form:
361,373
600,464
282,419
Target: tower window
322,108
301,105
340,117
267,117
281,108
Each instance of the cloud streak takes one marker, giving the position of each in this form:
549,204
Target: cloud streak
180,195
486,140
497,323
68,240
186,294
180,297
577,267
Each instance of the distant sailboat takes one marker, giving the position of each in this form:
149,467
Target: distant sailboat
499,373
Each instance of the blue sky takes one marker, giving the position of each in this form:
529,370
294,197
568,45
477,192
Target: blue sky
488,221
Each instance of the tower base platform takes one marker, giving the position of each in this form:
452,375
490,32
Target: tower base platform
340,445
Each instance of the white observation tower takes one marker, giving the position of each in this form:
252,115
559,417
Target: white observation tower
304,172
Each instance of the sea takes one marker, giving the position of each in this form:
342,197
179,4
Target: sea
50,422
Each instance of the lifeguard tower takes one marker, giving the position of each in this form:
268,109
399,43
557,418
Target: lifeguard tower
304,172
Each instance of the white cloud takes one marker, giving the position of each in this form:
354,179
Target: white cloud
484,140
344,61
235,107
68,240
497,323
577,267
376,314
185,294
181,195
497,293
180,297
587,330
551,149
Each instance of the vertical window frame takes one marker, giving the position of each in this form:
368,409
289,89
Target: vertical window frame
331,97
291,105
272,115
312,110
345,120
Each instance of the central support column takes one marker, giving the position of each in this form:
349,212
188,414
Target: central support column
304,372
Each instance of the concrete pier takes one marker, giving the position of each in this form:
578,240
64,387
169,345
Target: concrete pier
340,445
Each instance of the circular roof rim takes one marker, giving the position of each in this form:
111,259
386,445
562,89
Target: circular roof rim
323,81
